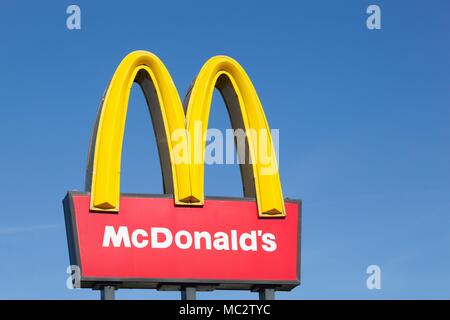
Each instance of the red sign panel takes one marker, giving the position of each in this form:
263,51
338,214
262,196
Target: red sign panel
151,243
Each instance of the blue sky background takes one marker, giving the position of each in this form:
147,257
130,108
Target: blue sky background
364,119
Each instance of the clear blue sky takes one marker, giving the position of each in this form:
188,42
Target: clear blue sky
364,119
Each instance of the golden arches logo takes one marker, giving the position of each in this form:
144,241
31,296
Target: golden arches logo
185,180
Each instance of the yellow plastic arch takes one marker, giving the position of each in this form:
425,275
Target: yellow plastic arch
108,134
186,179
267,182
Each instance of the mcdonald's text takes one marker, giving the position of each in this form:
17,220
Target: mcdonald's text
162,238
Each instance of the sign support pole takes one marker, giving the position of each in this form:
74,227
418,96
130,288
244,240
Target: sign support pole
267,294
188,293
107,293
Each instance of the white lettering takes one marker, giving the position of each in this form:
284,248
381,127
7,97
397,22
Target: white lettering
164,244
161,238
269,242
116,238
202,235
243,241
134,238
221,241
188,239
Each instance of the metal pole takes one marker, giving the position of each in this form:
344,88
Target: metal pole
267,294
107,293
188,293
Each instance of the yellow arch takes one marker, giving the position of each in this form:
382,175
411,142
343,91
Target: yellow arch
106,143
185,180
266,182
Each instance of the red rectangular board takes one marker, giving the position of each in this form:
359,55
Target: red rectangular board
151,243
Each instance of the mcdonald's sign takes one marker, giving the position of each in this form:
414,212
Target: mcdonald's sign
181,237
